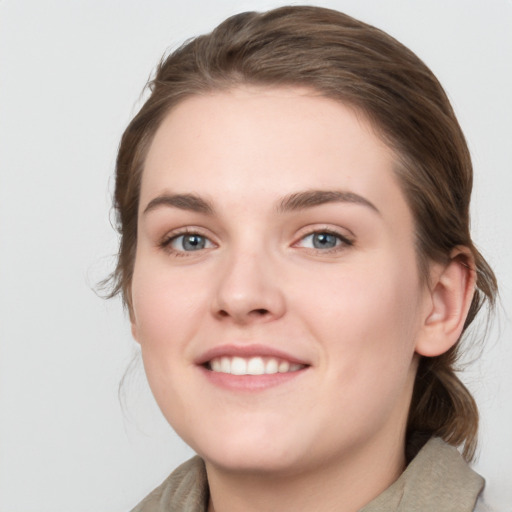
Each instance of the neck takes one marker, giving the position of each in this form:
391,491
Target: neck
332,486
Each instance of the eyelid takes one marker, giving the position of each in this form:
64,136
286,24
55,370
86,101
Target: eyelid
184,236
345,239
165,242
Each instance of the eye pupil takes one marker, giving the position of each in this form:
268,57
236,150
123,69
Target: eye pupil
324,240
193,242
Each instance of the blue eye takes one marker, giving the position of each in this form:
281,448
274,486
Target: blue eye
324,240
190,242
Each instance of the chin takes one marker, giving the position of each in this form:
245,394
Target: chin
251,462
250,452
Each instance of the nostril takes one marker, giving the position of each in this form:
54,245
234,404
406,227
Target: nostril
244,315
260,312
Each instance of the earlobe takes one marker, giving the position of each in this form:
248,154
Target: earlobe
133,323
133,326
134,331
451,293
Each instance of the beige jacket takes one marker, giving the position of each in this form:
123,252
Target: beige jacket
437,480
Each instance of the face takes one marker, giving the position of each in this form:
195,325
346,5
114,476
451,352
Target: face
276,294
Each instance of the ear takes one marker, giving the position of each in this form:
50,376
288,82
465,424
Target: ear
452,286
133,322
131,313
134,329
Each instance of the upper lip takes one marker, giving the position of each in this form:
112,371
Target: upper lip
247,351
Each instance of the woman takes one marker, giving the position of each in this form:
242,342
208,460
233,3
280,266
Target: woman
293,201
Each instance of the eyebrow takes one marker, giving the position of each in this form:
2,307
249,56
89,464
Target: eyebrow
190,202
293,202
311,198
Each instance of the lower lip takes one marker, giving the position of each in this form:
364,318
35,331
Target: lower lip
250,382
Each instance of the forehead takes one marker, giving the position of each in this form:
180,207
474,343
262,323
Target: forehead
249,142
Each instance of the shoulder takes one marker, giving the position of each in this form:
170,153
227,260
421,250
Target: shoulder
438,478
481,505
185,490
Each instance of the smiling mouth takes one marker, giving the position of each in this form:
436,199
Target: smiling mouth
252,365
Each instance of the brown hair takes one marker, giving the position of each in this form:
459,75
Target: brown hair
357,64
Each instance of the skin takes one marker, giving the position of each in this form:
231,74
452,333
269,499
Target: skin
355,315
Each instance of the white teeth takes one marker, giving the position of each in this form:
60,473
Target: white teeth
225,365
252,365
256,366
271,366
216,365
238,366
284,366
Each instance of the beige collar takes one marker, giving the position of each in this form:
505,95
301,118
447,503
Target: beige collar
437,480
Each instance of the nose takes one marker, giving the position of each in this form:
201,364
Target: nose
248,290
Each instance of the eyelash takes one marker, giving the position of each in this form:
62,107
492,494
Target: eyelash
344,242
166,242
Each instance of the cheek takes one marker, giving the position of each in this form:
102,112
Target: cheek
367,315
166,306
168,311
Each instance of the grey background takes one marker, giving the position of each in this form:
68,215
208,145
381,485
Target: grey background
71,73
